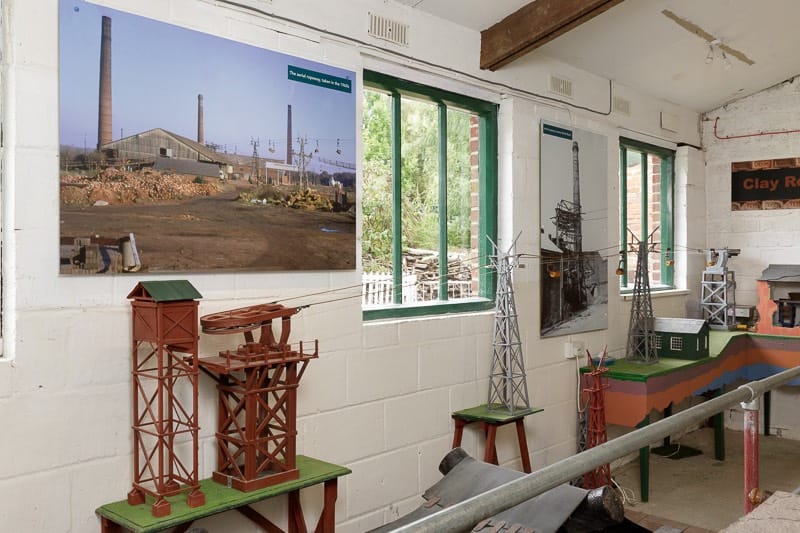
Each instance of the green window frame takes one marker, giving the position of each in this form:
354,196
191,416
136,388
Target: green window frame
486,113
639,180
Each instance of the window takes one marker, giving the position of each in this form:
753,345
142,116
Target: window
429,199
675,344
646,178
657,342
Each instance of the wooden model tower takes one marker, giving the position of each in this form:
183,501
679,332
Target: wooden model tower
165,373
596,383
257,397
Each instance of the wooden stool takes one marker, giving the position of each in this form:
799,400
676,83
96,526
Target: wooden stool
490,420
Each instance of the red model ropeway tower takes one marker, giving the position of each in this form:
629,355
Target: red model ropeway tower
597,383
165,376
257,396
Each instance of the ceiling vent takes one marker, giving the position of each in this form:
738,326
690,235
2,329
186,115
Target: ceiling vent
622,106
388,29
561,86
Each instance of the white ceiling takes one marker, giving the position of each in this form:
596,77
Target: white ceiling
634,44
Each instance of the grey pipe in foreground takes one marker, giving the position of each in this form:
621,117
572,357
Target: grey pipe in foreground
464,515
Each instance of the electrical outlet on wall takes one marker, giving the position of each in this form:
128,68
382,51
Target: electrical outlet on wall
578,348
573,349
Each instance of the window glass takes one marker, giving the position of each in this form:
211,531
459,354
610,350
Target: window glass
429,197
646,177
675,344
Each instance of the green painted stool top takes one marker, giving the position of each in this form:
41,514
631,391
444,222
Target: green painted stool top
219,498
498,414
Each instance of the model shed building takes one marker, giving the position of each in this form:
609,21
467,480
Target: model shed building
681,338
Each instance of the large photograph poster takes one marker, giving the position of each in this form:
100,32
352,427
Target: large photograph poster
574,230
181,151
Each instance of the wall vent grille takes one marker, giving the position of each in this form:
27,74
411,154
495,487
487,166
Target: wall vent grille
388,29
561,86
621,105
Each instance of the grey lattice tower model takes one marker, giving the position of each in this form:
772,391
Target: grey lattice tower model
508,386
641,335
718,286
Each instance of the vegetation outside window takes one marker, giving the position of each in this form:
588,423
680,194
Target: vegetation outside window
646,207
429,199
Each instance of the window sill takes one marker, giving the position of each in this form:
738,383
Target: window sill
627,296
427,309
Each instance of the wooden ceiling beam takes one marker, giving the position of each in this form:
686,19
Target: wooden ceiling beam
533,25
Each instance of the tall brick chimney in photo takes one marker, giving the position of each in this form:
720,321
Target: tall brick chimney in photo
200,136
289,136
104,110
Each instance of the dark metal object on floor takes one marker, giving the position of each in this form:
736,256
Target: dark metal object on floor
564,508
460,515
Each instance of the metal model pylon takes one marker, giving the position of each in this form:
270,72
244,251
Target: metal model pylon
641,335
508,386
596,384
257,397
718,290
165,376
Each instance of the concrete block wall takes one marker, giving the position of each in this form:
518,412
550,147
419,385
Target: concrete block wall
764,236
379,398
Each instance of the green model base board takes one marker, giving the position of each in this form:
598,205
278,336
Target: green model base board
219,498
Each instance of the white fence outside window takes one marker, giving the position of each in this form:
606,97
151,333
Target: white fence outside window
377,288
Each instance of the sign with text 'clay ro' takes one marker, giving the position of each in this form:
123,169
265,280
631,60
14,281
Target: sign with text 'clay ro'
765,184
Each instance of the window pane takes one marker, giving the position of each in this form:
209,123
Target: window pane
654,215
633,204
432,225
462,204
647,211
376,199
420,198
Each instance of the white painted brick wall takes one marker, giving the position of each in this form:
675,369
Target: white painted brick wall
388,478
764,237
380,396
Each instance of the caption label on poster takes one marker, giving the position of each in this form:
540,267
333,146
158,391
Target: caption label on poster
320,79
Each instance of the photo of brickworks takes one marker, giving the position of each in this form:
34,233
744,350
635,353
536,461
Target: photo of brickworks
521,266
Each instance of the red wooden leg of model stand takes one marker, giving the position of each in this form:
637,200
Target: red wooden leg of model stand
750,455
107,526
523,446
257,518
490,454
327,520
458,433
297,523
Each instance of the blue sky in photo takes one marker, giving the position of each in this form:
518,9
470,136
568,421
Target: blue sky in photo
158,70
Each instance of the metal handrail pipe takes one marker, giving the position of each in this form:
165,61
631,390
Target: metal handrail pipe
464,515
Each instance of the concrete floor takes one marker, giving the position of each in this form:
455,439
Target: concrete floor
702,492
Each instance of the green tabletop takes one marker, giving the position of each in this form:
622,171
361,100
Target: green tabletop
219,498
497,414
635,371
632,370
